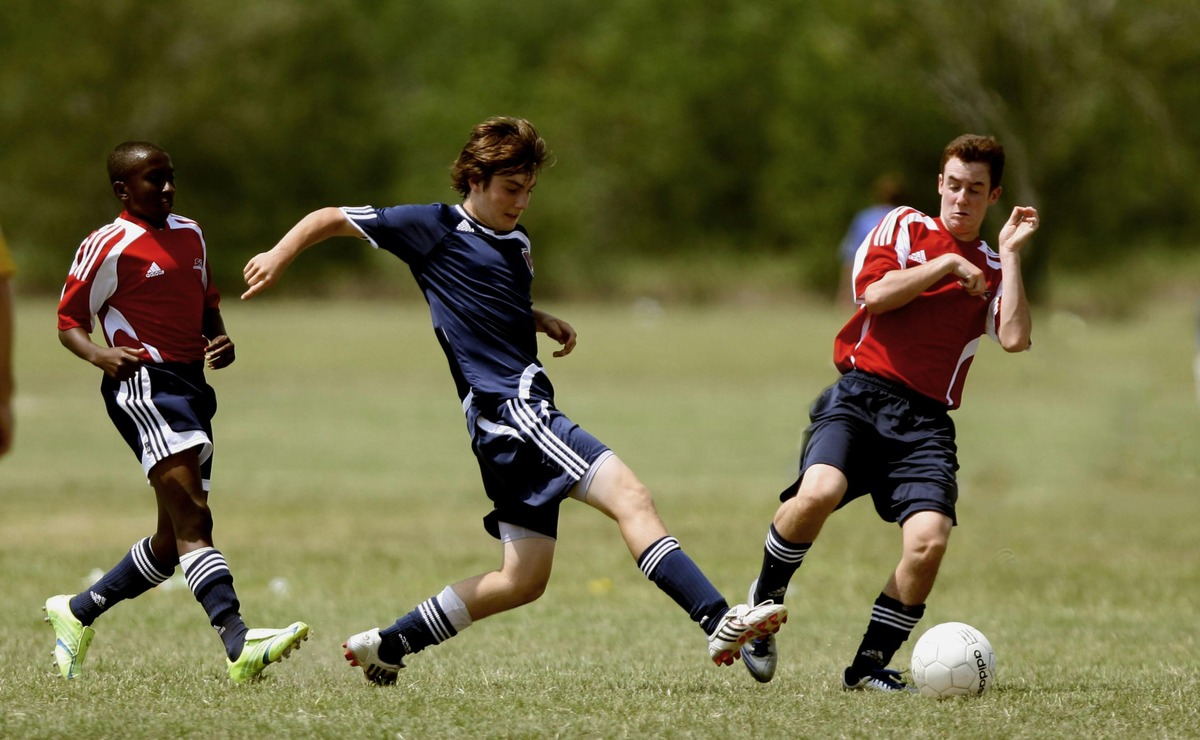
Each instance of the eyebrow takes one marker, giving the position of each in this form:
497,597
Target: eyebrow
519,180
958,180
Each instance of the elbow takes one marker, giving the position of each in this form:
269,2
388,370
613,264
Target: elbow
872,301
875,306
1015,344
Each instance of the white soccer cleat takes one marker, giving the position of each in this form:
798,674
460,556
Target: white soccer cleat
760,656
362,650
741,624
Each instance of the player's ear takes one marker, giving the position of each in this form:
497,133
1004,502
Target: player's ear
120,190
995,195
479,184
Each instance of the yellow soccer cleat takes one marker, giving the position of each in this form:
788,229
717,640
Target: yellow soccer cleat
71,638
264,647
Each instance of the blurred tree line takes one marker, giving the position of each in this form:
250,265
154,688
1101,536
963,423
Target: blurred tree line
692,137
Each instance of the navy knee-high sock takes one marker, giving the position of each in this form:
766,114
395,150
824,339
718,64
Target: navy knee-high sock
211,582
781,559
669,567
136,573
891,624
425,625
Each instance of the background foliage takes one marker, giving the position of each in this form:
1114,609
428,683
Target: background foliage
695,139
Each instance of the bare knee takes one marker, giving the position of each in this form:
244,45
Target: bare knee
926,536
182,499
801,517
924,554
624,498
525,588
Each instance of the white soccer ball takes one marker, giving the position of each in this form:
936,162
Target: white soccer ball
953,659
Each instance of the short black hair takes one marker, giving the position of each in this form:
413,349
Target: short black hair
126,156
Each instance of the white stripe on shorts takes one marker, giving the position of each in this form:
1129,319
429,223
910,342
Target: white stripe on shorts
536,430
159,440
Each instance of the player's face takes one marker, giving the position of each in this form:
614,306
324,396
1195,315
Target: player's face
148,191
500,203
966,192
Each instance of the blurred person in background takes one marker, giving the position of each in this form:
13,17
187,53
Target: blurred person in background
889,192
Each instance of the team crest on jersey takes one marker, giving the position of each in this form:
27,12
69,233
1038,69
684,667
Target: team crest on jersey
198,264
528,258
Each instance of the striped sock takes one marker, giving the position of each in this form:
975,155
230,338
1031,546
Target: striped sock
425,625
781,559
138,572
669,567
891,624
211,583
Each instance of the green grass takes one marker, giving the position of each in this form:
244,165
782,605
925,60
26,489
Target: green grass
343,468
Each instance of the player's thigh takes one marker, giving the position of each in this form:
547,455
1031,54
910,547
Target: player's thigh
614,489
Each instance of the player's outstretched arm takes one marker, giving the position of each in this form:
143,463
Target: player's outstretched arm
557,329
264,269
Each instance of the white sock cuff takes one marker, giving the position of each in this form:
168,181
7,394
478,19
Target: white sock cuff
186,560
454,609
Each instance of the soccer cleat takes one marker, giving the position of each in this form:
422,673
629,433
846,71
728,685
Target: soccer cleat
880,679
71,638
741,624
264,647
760,656
362,650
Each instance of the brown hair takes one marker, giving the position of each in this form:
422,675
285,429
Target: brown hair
498,146
972,148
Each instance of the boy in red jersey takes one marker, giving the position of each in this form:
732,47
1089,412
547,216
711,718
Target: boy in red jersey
146,277
927,290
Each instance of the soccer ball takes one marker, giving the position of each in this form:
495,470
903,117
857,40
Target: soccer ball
953,659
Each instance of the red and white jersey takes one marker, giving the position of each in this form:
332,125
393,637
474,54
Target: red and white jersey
149,287
927,344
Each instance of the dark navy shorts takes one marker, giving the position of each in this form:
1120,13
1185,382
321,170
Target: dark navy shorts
531,456
164,409
891,443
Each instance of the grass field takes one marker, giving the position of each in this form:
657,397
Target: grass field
345,493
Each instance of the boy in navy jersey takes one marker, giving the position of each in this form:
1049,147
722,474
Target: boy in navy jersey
146,277
473,263
927,290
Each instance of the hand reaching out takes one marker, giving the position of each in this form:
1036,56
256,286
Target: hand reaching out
1020,226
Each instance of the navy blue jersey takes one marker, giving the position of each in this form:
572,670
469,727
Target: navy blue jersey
477,282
